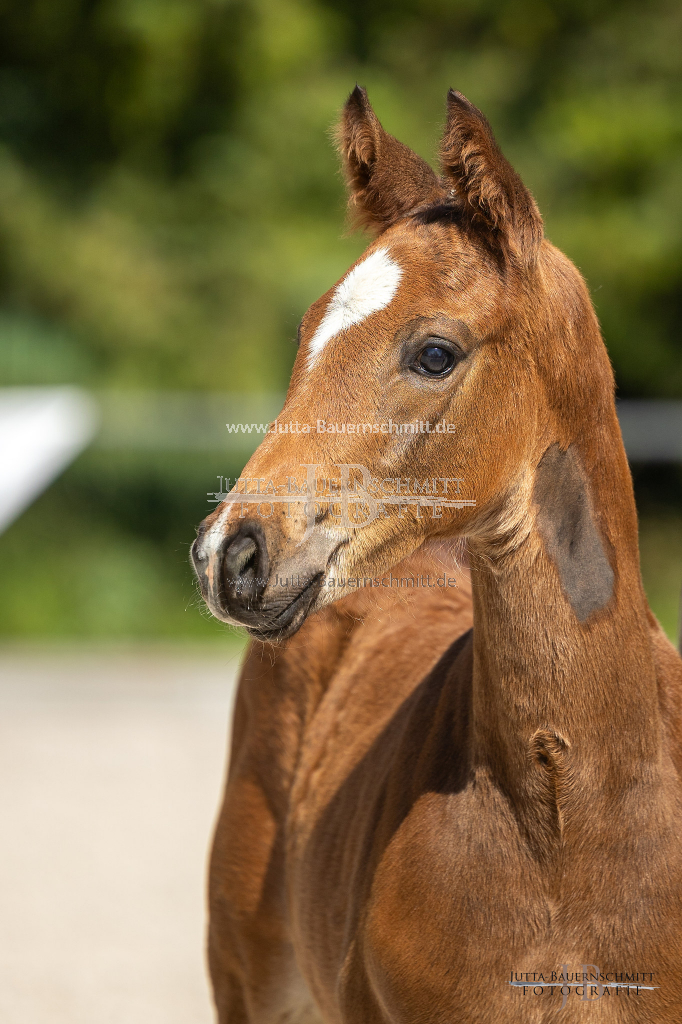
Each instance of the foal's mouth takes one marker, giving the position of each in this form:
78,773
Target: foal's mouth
274,627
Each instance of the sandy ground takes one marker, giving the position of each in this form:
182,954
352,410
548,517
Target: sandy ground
111,767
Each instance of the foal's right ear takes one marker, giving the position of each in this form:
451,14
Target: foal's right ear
386,180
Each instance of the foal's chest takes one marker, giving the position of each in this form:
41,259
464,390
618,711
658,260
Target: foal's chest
442,916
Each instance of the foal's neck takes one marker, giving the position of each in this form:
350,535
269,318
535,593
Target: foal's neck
563,663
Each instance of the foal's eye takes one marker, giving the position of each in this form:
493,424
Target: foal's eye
434,361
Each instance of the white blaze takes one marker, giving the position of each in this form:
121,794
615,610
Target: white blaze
368,288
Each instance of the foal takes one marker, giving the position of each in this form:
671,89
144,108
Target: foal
426,823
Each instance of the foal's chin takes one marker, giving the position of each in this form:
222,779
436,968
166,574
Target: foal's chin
274,619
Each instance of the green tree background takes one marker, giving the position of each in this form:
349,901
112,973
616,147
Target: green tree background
170,203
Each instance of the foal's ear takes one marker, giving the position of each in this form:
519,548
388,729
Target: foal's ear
494,200
385,178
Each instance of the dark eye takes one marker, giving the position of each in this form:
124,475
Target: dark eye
434,361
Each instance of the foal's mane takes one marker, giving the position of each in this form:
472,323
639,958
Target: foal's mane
450,211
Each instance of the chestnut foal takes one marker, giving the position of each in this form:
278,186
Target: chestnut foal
426,823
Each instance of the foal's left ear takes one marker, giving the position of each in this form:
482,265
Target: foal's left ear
385,178
495,202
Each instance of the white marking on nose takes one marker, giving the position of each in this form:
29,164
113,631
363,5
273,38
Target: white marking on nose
216,535
368,288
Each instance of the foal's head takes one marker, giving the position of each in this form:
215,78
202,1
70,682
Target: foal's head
450,357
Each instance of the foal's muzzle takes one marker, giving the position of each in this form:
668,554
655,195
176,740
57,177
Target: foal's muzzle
234,578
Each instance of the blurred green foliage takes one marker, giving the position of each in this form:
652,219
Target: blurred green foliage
170,203
104,553
661,557
169,194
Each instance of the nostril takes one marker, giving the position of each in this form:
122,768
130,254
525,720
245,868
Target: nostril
240,563
247,557
244,569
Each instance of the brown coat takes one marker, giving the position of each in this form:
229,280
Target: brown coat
418,813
